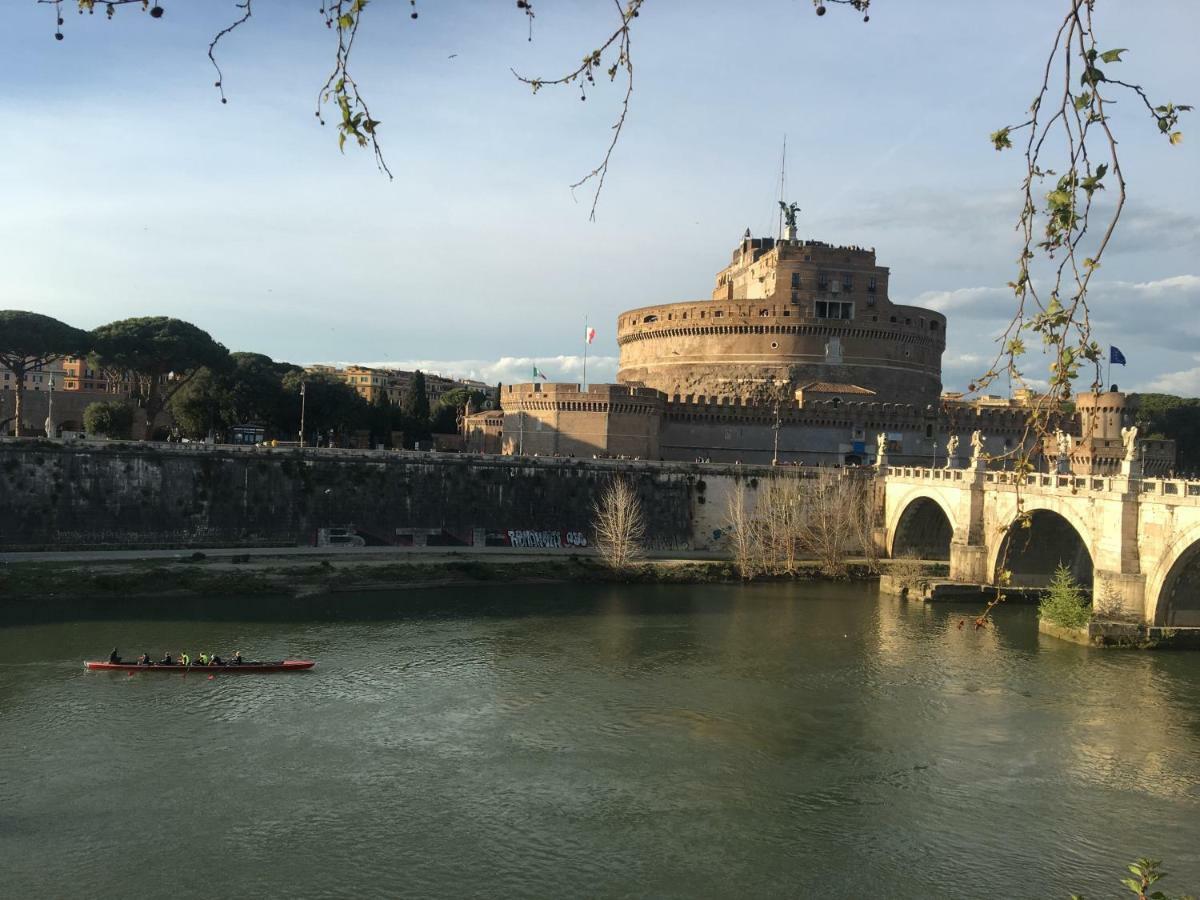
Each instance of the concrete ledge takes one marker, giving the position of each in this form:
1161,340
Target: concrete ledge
1125,635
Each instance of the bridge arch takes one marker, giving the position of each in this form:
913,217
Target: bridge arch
1173,587
923,529
1056,535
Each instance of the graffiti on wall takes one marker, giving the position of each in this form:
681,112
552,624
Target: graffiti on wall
540,539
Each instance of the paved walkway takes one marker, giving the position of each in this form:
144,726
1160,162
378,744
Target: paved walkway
366,554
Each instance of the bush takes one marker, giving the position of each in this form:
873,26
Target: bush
110,418
1065,604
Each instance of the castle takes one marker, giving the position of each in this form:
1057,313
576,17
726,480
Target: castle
799,357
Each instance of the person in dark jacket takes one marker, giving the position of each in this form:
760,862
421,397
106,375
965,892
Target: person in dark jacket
144,660
113,658
166,660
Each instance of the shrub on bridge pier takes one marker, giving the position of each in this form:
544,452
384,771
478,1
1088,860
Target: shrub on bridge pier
1065,603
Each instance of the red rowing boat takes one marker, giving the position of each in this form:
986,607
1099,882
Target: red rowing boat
284,665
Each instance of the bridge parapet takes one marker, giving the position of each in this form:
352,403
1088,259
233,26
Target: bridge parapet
924,473
1171,491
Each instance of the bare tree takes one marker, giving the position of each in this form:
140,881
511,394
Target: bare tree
618,524
743,532
833,523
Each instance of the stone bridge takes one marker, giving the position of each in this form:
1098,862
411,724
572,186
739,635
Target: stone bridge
1135,541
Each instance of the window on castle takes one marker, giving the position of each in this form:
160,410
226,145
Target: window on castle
871,285
822,282
833,309
934,326
795,280
650,318
762,313
847,282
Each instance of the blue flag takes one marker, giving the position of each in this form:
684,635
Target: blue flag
1115,356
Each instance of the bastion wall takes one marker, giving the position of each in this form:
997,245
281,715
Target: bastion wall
118,494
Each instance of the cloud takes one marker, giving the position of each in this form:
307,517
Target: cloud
508,369
1153,322
967,301
1185,383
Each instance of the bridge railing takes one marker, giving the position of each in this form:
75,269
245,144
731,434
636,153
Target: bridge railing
926,473
1171,488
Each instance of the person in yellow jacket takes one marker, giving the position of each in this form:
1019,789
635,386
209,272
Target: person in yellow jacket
203,658
184,659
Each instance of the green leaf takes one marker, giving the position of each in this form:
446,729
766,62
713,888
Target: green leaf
1176,137
1113,55
1083,100
1132,884
342,141
345,21
1000,139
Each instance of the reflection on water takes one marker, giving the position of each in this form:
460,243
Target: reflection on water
608,741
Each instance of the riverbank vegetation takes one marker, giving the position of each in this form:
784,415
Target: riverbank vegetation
194,574
618,526
794,520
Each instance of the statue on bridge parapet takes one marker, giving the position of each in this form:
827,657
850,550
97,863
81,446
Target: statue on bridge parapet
1129,440
977,454
1062,442
881,451
951,450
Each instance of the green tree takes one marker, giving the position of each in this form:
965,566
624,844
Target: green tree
204,404
158,356
380,417
415,404
29,340
250,391
444,418
331,407
1176,418
110,418
1065,603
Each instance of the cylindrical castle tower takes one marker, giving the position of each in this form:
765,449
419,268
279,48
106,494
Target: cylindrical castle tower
784,314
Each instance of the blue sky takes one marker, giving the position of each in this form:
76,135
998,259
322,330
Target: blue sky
130,190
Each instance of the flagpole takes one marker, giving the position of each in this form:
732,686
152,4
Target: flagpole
585,346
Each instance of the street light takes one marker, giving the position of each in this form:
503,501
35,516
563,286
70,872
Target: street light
50,410
302,404
775,454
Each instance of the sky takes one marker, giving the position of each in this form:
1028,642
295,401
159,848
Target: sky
128,189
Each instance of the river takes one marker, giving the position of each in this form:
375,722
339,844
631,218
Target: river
567,741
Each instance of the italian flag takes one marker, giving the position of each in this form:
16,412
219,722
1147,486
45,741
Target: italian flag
538,373
590,335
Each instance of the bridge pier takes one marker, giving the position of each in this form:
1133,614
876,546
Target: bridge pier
968,562
1120,595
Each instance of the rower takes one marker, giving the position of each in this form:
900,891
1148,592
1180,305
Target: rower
203,658
184,659
166,660
113,658
144,660
217,661
237,658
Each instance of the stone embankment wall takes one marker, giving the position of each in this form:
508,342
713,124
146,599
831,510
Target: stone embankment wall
130,494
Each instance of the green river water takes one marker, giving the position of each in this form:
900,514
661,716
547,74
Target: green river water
811,740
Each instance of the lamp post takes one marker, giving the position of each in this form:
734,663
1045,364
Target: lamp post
50,410
302,404
775,454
